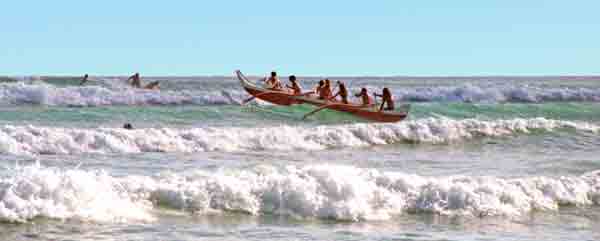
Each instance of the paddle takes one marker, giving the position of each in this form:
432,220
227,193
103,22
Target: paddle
319,109
376,104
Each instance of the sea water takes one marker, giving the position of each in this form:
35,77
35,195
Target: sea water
494,158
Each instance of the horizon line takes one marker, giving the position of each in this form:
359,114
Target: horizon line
319,76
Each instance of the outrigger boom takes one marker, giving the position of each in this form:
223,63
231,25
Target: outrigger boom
280,97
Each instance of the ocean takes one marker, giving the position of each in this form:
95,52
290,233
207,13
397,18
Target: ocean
478,158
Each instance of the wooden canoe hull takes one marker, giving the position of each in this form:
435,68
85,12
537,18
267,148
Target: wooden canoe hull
369,113
280,97
274,97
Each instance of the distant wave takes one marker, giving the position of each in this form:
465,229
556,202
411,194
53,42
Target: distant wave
333,192
21,93
33,140
499,93
44,94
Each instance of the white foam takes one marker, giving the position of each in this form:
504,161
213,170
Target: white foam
114,92
349,193
497,93
27,140
33,191
314,191
45,94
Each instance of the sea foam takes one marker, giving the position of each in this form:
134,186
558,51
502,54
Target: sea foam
21,93
508,93
33,140
32,191
45,94
306,192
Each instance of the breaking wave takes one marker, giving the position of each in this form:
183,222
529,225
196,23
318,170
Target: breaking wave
45,94
32,191
316,191
21,93
499,93
33,140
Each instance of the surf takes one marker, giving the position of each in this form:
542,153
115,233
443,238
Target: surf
38,140
334,192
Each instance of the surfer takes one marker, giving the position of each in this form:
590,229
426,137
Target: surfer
154,85
295,87
84,80
342,92
386,97
135,80
366,100
273,81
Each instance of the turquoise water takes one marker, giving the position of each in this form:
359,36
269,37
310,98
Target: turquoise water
199,166
252,115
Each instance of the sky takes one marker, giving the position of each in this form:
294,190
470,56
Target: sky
409,38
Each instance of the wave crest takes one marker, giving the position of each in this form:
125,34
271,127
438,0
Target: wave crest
21,93
45,94
33,191
28,140
315,191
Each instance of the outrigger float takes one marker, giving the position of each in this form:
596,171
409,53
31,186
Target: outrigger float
282,97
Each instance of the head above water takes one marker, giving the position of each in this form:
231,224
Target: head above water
128,126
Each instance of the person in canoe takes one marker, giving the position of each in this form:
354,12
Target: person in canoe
135,80
342,92
273,82
295,87
386,97
364,95
84,80
319,87
325,93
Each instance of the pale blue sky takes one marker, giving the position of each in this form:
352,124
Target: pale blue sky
469,37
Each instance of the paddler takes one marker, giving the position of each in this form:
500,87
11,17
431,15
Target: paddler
325,93
386,97
135,80
319,87
273,81
342,92
154,85
295,87
84,80
364,95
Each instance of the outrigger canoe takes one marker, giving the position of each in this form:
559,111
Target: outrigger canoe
280,97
